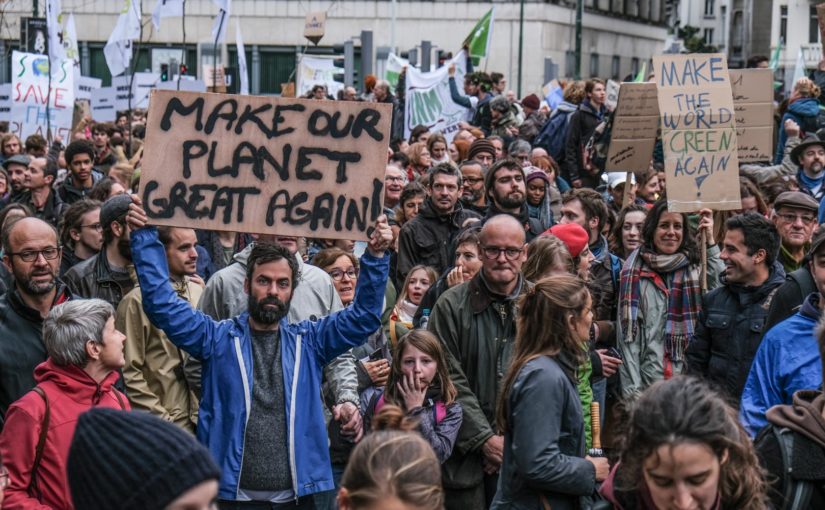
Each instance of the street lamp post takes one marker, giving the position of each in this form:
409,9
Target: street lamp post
579,13
520,44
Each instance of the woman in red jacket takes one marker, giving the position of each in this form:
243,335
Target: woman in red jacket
85,351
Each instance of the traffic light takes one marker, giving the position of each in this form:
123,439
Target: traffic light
164,72
183,69
345,59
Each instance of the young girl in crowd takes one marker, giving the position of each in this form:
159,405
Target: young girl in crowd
685,448
539,410
648,186
437,145
627,233
660,297
419,393
415,286
392,469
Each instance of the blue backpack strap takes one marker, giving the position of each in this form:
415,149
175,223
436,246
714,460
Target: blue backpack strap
615,269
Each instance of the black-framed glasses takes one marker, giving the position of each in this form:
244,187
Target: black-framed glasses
338,274
50,253
96,226
492,252
791,218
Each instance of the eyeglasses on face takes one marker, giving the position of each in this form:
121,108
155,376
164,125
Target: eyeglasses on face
492,252
50,253
338,274
96,226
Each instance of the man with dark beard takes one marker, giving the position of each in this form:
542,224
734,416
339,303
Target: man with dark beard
32,256
507,193
271,444
106,275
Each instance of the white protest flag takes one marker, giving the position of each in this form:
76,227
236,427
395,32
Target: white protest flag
429,102
221,20
241,59
395,65
55,28
118,49
70,46
166,9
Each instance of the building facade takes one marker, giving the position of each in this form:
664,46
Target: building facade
617,37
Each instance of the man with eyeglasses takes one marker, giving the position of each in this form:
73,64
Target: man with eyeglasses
31,253
472,190
476,322
795,218
507,194
80,233
427,238
394,181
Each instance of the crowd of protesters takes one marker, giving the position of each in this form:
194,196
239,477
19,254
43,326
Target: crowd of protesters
523,329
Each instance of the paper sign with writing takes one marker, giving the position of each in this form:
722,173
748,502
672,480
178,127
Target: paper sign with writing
84,86
612,94
293,167
698,132
5,102
36,107
753,107
634,128
314,26
140,87
103,104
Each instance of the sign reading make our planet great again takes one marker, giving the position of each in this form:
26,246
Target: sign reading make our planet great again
263,165
698,132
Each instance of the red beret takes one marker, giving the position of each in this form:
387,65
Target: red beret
572,235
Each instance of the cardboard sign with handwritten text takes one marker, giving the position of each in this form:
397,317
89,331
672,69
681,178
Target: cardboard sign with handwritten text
634,128
698,132
753,106
291,167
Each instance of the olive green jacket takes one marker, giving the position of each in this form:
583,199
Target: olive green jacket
477,329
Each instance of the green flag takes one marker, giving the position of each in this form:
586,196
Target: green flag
479,39
774,63
640,76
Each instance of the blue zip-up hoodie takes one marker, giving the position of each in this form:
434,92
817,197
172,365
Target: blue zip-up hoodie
226,352
787,361
802,111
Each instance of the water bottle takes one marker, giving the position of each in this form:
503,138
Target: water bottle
425,318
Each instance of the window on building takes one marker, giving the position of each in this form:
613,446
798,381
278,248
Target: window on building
276,66
708,34
813,26
232,50
569,63
709,7
594,65
615,67
783,22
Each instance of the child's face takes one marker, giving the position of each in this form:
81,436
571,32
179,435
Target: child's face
417,364
419,283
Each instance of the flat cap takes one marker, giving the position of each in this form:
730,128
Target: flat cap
796,199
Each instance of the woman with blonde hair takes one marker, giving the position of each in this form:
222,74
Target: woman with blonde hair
803,108
417,283
420,161
392,469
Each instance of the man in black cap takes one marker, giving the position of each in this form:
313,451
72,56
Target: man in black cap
795,218
483,151
107,275
16,167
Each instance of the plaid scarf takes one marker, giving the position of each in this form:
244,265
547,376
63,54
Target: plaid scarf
683,296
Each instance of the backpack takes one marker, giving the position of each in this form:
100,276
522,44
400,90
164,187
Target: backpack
797,493
553,134
594,153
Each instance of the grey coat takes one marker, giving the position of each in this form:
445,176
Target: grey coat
544,446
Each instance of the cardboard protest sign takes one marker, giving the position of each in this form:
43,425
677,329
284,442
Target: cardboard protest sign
698,132
429,102
35,107
753,107
635,124
103,104
314,26
294,167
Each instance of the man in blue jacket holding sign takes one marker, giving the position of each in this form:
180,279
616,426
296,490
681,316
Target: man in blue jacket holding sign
261,414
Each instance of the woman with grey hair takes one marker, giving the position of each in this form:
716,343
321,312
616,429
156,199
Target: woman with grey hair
85,352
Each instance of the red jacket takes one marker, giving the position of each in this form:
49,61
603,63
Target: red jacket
70,391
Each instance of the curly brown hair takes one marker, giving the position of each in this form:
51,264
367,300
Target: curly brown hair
686,410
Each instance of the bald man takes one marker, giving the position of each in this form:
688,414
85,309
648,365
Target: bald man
476,321
31,254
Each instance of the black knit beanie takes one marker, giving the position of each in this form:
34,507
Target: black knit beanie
133,461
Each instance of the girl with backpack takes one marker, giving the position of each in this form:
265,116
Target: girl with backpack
419,386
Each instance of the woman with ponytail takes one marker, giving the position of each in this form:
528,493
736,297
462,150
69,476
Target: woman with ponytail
539,411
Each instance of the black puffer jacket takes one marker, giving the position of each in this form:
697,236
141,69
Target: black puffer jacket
729,332
427,238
